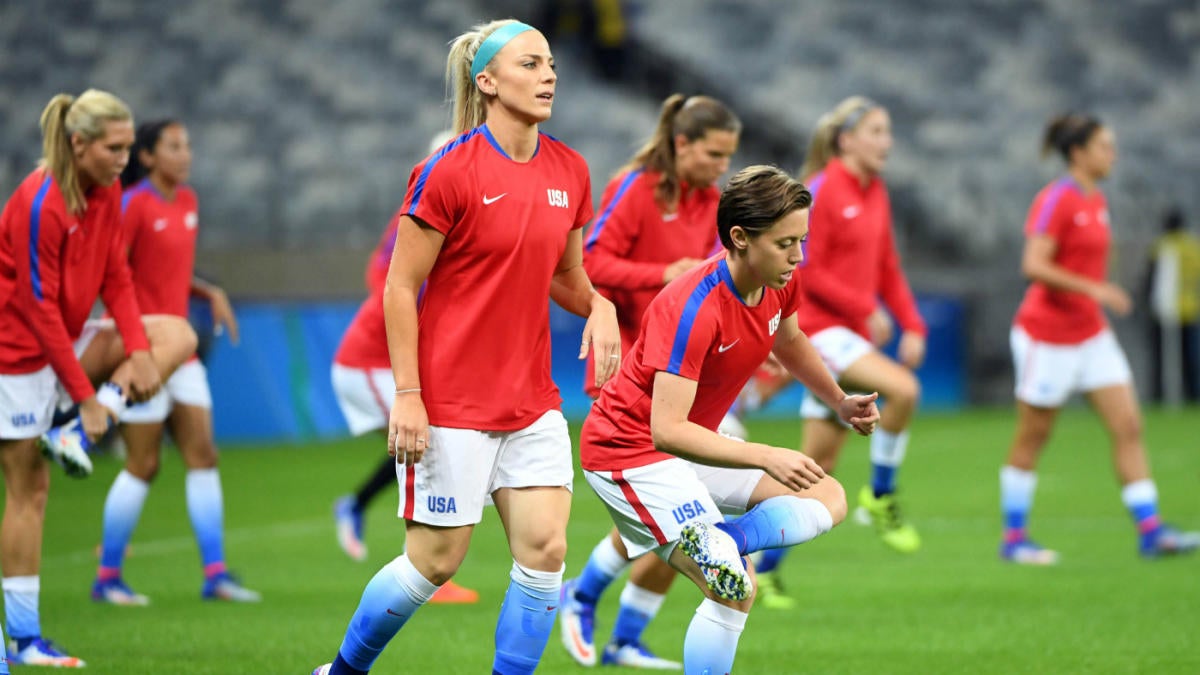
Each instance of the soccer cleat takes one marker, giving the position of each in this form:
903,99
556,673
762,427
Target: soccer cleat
225,587
451,593
717,555
117,592
42,652
1169,541
1026,552
349,525
322,670
67,446
577,623
770,592
635,656
884,513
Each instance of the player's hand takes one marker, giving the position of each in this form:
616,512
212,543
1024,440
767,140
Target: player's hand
603,336
145,380
860,412
1113,297
795,470
222,314
95,418
408,428
679,267
879,327
911,349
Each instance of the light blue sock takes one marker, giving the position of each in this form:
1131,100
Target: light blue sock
603,565
712,638
638,608
3,661
770,560
786,520
207,510
122,510
526,618
1017,487
21,607
390,598
887,454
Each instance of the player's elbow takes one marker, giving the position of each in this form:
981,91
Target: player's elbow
664,434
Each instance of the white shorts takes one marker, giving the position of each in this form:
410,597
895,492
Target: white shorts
651,504
364,396
1047,373
188,385
455,478
27,403
839,348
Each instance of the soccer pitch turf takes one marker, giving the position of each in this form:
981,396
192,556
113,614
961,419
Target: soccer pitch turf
950,608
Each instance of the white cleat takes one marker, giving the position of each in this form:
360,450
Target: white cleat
717,555
322,670
67,447
636,656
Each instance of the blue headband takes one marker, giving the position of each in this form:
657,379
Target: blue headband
494,43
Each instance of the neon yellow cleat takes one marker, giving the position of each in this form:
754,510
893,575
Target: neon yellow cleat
884,513
770,592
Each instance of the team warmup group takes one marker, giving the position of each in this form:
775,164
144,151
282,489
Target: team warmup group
706,302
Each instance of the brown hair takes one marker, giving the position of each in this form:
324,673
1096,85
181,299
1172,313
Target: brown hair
1070,130
65,116
693,118
823,146
756,198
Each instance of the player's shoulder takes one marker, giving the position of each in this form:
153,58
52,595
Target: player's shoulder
186,195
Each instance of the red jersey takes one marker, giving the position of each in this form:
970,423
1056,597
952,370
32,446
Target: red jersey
53,266
698,328
161,235
850,259
484,321
364,344
1078,223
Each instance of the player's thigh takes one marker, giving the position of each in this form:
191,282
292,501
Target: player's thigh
535,520
1117,407
191,427
876,371
26,474
828,491
143,448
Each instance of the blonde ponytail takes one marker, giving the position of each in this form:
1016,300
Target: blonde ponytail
467,102
65,116
823,146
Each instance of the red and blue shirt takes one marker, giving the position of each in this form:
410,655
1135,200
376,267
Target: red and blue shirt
161,236
698,328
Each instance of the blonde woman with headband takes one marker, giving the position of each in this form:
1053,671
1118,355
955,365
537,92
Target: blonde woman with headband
68,209
493,221
850,265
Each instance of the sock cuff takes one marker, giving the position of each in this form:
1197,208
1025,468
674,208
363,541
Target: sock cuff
816,510
888,448
726,617
545,585
1012,475
128,481
642,599
418,588
26,584
607,558
1140,492
203,474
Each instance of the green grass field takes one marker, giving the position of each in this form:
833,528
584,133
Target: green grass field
951,608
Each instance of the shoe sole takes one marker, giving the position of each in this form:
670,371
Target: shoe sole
721,576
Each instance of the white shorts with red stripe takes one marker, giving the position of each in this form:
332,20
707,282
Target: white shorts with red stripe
1048,373
188,385
364,395
651,504
462,468
839,348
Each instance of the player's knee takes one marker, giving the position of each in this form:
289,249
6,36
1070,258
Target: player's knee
907,391
143,468
441,569
833,496
546,552
174,335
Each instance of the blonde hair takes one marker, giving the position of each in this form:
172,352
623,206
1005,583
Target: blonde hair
65,116
824,143
467,101
692,117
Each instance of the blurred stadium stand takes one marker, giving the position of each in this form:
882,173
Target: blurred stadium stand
306,116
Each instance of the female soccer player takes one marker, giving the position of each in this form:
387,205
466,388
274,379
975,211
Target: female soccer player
160,219
850,263
361,375
60,250
493,224
650,448
658,219
1061,343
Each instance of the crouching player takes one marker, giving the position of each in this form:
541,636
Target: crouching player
650,448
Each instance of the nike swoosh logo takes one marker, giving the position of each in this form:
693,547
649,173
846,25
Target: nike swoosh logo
488,200
725,348
395,614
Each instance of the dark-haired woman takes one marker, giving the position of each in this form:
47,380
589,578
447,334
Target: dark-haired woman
658,219
160,221
1062,343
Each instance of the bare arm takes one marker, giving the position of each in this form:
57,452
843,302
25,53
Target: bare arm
1037,263
572,290
801,359
415,252
675,434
